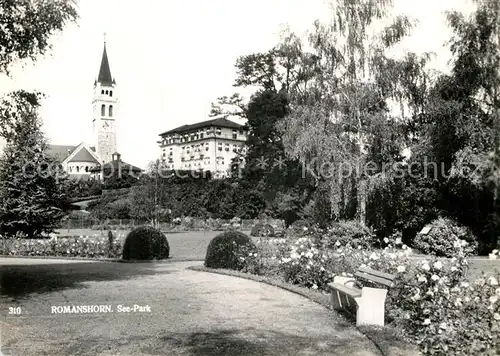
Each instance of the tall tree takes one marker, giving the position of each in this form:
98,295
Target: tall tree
462,122
32,198
348,100
31,184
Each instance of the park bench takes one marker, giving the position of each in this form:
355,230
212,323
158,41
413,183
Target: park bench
368,303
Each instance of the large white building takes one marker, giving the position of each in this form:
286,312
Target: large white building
209,145
85,161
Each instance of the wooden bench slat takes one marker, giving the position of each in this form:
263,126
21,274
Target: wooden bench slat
376,273
352,292
371,278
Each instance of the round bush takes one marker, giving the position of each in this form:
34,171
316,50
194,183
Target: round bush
446,238
349,232
229,250
262,230
300,227
145,243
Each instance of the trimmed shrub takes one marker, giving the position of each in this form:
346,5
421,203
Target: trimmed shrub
349,232
262,230
145,243
445,238
230,250
299,228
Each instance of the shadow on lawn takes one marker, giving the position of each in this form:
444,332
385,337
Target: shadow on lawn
253,342
19,282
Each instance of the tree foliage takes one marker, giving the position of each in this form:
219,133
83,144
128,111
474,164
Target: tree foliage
26,27
31,183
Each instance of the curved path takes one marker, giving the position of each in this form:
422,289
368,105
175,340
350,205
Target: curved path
192,313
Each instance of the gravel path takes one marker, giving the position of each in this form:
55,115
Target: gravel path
192,313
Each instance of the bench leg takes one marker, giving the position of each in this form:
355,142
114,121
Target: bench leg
371,307
335,300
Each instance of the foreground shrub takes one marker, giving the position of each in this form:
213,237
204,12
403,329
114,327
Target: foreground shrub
145,243
445,314
349,233
445,238
262,230
230,250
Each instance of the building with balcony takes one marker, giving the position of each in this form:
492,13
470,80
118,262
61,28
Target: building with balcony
209,145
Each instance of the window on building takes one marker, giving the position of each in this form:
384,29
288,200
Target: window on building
218,131
103,110
102,91
77,169
110,93
201,135
235,136
106,92
206,148
241,132
86,169
110,110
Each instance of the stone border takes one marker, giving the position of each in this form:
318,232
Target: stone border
385,344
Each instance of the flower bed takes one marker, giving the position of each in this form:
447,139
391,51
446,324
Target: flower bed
73,246
432,305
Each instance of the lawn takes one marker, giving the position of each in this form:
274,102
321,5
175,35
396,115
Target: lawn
193,245
183,245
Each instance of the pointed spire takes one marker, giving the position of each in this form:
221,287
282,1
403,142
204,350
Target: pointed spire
105,77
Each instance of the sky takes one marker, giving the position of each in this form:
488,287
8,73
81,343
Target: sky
172,58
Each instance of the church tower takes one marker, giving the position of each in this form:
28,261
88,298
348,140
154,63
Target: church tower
105,105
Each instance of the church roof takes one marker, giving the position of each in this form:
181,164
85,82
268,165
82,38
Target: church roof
61,152
220,122
105,77
83,155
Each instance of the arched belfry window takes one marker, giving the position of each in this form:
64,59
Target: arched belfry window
110,110
103,110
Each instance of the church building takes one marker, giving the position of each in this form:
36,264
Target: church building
83,161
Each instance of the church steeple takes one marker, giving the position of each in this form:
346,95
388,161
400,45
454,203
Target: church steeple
105,105
105,77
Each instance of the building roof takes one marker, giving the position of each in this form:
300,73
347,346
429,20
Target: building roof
221,122
126,167
83,155
61,152
104,76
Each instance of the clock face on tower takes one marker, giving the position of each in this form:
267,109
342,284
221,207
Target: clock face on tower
107,125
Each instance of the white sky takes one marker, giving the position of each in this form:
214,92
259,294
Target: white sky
172,58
